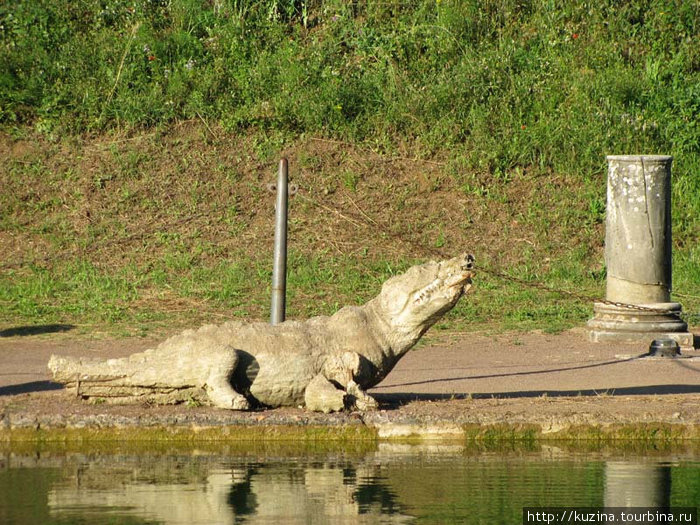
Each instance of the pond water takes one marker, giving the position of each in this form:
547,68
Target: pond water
392,483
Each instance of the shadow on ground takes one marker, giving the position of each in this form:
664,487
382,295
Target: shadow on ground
630,390
27,388
405,397
36,330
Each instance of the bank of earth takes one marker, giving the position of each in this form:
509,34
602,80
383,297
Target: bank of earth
483,388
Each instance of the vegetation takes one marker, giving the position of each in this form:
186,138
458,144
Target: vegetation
413,128
282,439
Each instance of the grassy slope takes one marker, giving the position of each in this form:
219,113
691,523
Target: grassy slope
139,137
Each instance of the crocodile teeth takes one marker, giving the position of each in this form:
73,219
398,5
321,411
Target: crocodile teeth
425,294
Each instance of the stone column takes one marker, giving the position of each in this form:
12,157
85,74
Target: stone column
638,254
630,484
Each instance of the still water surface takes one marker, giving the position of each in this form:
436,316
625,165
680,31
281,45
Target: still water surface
390,484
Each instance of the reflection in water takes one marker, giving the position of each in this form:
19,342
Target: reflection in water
394,484
198,502
633,484
250,493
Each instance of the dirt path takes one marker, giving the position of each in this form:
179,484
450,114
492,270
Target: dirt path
555,382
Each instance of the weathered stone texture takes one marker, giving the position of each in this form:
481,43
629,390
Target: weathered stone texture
325,363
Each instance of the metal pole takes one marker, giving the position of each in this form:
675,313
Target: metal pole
279,269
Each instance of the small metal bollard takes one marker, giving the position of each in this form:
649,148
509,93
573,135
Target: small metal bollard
279,265
664,348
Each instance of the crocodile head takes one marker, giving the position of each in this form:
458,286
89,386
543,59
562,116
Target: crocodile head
412,302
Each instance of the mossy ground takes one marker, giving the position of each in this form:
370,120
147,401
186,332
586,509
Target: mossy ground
353,438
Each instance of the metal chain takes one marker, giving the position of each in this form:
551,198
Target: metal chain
365,220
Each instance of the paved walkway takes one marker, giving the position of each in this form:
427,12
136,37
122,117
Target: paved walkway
531,365
510,365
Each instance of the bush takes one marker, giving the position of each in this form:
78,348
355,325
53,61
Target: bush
507,82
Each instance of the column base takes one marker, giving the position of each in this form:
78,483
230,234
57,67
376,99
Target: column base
620,324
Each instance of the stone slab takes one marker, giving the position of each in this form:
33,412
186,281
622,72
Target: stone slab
684,339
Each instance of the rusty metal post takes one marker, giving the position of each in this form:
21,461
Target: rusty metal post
279,268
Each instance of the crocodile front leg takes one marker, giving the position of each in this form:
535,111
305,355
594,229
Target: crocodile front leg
363,401
322,396
344,370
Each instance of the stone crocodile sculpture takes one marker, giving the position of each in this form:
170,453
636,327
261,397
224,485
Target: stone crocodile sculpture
324,363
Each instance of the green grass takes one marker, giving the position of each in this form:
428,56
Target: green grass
508,83
501,95
135,300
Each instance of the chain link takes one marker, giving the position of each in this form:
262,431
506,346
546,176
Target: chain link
365,220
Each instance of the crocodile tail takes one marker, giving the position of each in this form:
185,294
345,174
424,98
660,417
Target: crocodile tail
69,370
